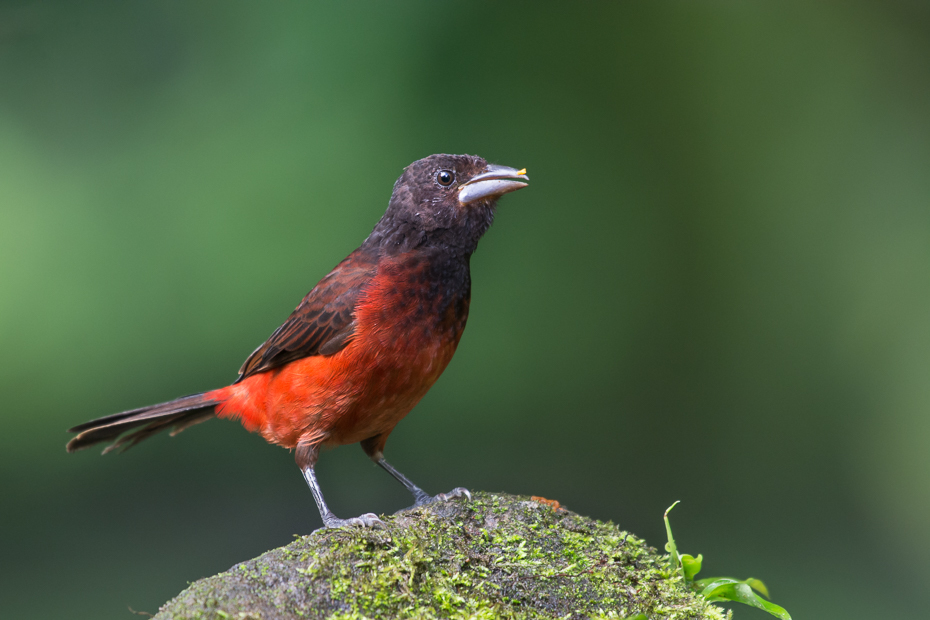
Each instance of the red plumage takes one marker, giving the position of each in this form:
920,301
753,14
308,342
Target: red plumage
363,390
367,343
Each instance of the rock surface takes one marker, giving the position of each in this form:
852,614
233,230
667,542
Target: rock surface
498,556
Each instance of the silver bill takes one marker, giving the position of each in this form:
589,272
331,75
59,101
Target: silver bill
496,181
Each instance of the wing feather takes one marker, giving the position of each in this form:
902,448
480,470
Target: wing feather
323,323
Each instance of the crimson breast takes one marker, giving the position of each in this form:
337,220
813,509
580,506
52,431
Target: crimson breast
409,320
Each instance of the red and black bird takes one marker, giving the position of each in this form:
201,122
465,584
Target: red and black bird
366,344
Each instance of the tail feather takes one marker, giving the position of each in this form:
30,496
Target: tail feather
177,414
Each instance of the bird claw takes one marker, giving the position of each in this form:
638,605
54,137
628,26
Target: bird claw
368,519
442,497
456,492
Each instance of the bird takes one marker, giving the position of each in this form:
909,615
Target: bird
365,344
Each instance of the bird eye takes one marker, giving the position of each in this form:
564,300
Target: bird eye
445,178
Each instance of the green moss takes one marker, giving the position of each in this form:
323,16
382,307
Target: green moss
499,556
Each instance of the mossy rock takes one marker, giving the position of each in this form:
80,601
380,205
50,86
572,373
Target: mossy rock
498,556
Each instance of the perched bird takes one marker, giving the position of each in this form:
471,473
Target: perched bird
365,345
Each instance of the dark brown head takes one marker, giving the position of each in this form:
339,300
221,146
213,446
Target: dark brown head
444,200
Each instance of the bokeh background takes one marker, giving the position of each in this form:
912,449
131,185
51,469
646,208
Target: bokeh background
716,290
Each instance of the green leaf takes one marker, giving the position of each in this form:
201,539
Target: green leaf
757,585
637,617
714,589
701,584
729,589
670,545
691,566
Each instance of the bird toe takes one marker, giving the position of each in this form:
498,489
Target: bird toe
456,492
369,519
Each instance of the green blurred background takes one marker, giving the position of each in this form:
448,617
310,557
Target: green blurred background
716,290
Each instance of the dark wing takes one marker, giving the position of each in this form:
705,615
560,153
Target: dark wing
323,323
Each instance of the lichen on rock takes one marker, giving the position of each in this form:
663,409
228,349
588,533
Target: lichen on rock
498,556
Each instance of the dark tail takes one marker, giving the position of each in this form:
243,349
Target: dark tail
176,415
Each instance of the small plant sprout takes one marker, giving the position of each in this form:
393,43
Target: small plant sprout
716,589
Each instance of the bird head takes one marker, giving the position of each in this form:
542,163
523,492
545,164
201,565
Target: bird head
445,200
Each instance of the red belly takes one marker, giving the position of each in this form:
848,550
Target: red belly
399,350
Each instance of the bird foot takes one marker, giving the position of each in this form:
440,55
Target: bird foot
456,492
368,519
443,497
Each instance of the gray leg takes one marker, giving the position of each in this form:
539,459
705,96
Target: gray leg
306,459
374,448
419,495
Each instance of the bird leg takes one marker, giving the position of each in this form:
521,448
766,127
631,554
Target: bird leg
419,495
306,456
374,447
